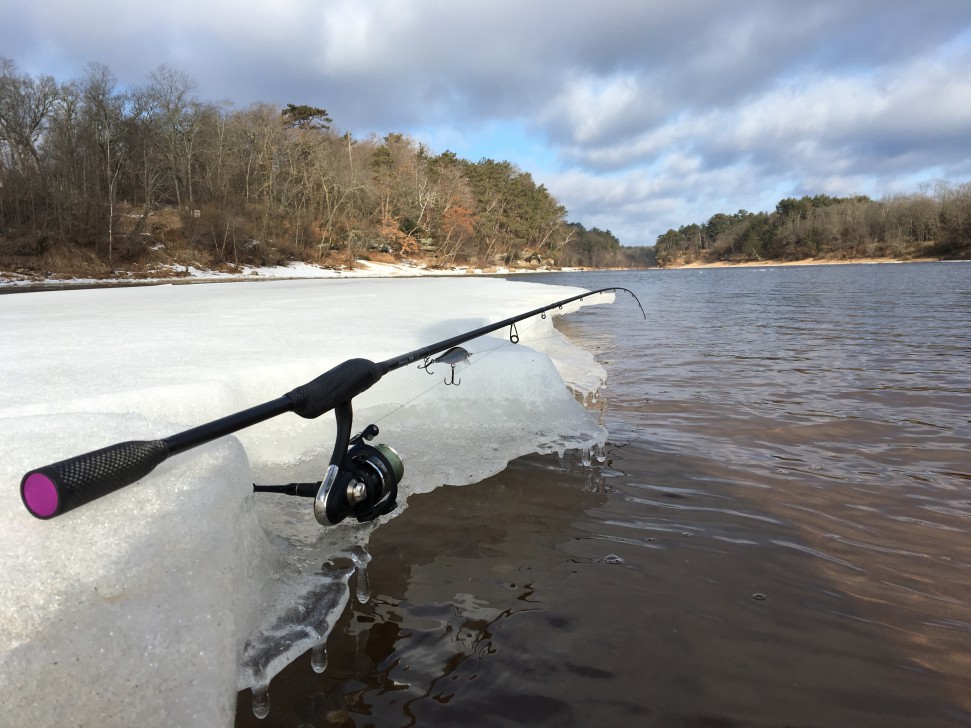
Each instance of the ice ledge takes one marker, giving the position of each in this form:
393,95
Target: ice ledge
136,609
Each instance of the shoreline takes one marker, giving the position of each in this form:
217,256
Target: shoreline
17,283
11,282
803,262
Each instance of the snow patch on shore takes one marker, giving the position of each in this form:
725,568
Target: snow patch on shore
295,270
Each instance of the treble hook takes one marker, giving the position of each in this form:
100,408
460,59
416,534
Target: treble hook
453,356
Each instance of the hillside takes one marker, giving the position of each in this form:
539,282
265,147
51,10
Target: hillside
827,228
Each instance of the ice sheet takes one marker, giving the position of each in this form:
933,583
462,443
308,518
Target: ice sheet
152,605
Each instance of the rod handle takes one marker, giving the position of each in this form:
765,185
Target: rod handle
60,487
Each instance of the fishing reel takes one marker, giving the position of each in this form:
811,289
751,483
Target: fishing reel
361,479
364,485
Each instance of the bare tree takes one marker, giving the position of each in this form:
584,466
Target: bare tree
26,107
105,111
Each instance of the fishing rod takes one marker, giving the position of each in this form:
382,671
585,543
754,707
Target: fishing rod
360,480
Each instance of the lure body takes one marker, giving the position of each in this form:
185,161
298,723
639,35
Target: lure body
455,355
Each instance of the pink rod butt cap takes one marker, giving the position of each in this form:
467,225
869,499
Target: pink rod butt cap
40,495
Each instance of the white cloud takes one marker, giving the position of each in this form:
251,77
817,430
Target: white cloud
592,109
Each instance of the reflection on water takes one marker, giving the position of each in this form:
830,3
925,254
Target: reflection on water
452,587
779,534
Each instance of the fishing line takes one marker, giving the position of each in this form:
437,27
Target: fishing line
483,352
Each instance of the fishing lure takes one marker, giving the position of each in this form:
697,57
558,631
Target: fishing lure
455,355
361,480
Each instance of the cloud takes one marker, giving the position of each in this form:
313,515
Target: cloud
836,132
639,116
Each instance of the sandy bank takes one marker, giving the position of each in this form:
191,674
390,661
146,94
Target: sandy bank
807,261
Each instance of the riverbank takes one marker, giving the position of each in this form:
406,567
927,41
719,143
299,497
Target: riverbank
11,282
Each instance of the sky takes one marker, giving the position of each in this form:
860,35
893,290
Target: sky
638,115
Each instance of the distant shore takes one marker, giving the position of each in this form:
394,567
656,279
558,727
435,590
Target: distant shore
806,261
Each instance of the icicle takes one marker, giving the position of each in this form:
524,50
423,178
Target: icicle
585,458
318,658
261,701
600,452
363,587
361,559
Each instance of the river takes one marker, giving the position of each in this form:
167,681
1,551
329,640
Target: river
777,534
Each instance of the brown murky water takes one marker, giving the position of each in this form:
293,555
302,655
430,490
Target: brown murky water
779,535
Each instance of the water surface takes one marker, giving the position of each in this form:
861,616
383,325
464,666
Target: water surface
779,533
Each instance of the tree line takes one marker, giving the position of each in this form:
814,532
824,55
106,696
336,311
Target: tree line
596,248
98,177
903,226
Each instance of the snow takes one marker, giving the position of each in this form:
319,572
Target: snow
154,604
295,270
